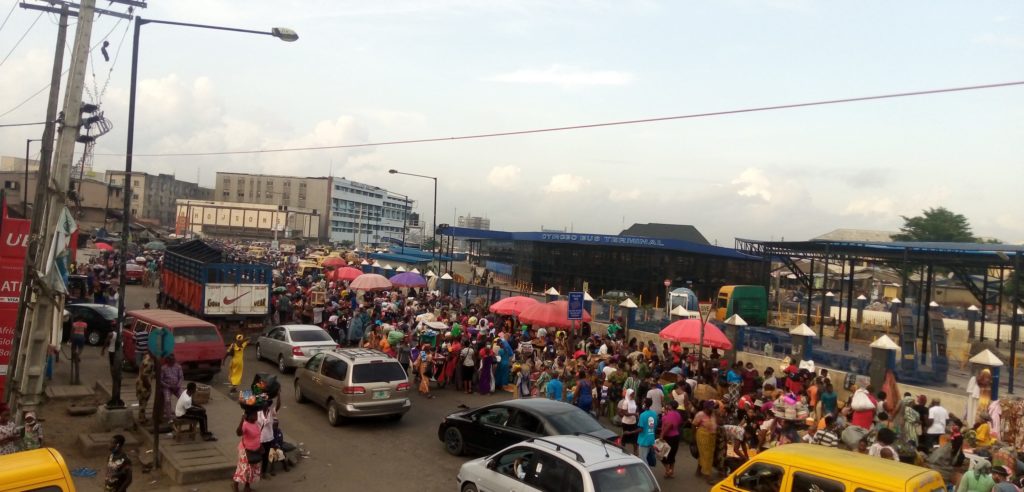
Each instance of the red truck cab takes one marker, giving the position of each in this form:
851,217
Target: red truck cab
198,345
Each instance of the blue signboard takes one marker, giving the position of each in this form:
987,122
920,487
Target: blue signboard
575,306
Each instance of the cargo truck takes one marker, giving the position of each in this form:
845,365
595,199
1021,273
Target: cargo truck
198,279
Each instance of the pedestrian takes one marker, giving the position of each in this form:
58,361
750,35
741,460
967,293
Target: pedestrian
706,423
144,385
33,433
648,424
937,418
171,378
423,368
555,389
141,336
977,479
265,418
237,353
583,393
9,432
1001,475
119,467
627,413
486,362
247,467
671,424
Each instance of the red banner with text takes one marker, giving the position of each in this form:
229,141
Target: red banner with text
14,235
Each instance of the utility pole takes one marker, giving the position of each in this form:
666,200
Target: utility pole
43,306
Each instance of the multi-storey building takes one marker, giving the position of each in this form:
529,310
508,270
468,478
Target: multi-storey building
154,196
366,215
285,191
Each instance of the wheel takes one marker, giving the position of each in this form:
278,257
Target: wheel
259,353
299,397
395,417
469,488
453,442
93,337
280,364
334,416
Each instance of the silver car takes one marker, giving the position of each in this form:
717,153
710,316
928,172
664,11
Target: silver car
290,346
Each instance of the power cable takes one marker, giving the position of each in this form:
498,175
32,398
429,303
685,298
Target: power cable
22,38
23,124
43,88
8,16
590,125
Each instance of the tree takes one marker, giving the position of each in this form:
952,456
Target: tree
428,244
936,225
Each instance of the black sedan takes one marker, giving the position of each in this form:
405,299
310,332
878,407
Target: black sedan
99,318
489,429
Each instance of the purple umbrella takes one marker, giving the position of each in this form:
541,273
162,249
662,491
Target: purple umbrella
408,279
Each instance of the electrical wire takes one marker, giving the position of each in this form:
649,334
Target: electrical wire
22,38
589,125
47,86
8,16
23,124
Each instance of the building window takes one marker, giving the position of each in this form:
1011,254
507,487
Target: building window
135,182
12,185
227,194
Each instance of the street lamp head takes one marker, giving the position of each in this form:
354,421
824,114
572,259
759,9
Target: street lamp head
392,171
284,34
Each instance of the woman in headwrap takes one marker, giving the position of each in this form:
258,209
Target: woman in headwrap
485,386
237,353
171,378
910,430
501,373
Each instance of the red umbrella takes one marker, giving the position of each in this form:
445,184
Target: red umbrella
333,262
347,273
513,305
688,331
370,281
553,315
104,247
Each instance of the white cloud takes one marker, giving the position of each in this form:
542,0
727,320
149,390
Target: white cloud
753,182
871,206
624,195
1001,40
504,177
564,76
566,183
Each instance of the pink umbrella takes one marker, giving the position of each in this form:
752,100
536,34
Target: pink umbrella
370,281
333,262
552,315
513,305
688,331
347,273
104,247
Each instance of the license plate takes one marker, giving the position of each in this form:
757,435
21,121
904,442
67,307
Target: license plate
381,394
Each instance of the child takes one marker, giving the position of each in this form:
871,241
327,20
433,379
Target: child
33,438
277,449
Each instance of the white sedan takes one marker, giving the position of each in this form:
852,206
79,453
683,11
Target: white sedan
291,346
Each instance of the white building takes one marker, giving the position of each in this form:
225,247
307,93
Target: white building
366,215
231,220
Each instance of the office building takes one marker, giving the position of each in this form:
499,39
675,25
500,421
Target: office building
367,216
233,220
470,222
154,195
286,191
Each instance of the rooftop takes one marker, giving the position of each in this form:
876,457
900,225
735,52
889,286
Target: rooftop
666,231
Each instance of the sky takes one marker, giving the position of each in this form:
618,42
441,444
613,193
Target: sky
371,72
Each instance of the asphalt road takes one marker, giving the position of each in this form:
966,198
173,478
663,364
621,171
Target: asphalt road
373,454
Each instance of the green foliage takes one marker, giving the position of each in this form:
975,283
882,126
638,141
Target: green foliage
937,225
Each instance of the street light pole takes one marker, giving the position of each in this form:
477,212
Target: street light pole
434,256
283,34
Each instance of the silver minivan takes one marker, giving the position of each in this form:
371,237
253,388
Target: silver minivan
354,382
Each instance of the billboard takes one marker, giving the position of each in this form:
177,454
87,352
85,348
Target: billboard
246,299
13,249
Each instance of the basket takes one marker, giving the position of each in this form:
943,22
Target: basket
202,395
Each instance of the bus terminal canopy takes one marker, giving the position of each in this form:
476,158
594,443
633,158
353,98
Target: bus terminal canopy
950,255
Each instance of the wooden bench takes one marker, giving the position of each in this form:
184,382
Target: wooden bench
184,427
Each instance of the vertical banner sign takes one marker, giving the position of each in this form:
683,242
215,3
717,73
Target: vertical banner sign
14,235
575,306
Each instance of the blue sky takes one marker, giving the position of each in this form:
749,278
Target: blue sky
391,70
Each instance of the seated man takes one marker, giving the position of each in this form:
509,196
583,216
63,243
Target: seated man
184,409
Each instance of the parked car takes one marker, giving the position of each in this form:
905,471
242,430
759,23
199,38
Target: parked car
133,273
198,345
291,346
354,382
489,428
558,463
616,296
100,319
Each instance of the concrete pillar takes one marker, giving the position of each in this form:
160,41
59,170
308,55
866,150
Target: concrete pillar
552,294
987,360
894,308
883,358
734,328
630,308
862,302
588,302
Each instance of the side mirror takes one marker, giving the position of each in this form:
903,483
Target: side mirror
492,464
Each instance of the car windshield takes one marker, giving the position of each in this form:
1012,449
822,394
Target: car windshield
310,336
192,334
108,312
627,478
572,421
378,372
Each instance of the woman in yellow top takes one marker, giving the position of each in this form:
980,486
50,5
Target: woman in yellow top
237,353
983,431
